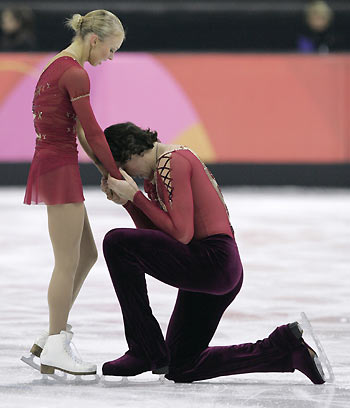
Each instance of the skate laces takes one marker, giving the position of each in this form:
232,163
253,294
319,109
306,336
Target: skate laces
73,352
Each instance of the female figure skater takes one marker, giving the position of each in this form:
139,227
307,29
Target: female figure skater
184,239
61,110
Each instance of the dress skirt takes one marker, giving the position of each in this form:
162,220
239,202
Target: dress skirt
54,178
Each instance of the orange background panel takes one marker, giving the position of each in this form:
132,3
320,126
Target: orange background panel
269,108
13,67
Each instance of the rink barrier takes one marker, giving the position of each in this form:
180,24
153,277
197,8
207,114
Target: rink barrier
227,174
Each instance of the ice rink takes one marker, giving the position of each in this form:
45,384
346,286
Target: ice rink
295,248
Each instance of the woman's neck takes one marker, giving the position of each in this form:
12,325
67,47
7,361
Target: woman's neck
78,51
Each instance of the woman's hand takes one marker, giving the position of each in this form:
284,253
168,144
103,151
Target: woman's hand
125,189
111,195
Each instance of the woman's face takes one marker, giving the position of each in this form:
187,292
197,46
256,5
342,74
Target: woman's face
104,50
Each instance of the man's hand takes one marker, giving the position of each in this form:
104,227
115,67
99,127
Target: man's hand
125,189
111,195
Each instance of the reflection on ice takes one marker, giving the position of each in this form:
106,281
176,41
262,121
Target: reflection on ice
294,245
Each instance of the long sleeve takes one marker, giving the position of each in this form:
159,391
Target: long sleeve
175,192
76,81
139,218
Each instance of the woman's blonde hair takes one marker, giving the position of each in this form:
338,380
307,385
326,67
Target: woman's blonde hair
103,23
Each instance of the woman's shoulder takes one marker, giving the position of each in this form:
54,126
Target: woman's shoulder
62,63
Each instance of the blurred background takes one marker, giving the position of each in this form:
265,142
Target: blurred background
259,88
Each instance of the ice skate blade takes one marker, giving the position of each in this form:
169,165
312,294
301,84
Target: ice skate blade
322,359
46,378
319,367
141,379
30,361
112,381
69,379
86,380
45,369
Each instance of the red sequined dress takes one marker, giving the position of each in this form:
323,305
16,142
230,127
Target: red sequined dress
61,96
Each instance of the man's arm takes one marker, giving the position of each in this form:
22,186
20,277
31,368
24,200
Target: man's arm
177,220
139,218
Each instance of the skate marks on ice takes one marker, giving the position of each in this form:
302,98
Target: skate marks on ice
308,329
238,393
207,394
297,239
249,391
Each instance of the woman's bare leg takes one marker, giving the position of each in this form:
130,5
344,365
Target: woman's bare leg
87,259
66,224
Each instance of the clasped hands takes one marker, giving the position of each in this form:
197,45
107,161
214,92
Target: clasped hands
119,191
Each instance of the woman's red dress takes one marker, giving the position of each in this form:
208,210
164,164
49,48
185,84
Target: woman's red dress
62,96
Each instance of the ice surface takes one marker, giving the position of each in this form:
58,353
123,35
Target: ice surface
295,247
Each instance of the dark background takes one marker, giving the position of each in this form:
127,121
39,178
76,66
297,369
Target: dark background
192,25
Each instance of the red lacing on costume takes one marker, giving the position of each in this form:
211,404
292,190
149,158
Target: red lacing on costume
164,172
196,210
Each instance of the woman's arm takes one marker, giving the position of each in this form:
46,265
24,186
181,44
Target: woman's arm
85,145
76,82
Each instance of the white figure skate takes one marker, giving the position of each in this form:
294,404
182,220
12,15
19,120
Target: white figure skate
58,355
306,325
37,348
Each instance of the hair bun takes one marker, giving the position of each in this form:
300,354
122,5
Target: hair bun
76,22
80,22
103,23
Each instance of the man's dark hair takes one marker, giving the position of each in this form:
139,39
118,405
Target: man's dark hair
126,139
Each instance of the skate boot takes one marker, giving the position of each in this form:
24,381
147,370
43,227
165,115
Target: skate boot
38,346
130,366
58,355
304,358
39,343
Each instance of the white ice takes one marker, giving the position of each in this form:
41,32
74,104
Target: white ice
295,247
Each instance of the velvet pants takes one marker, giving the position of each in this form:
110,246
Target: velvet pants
209,275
